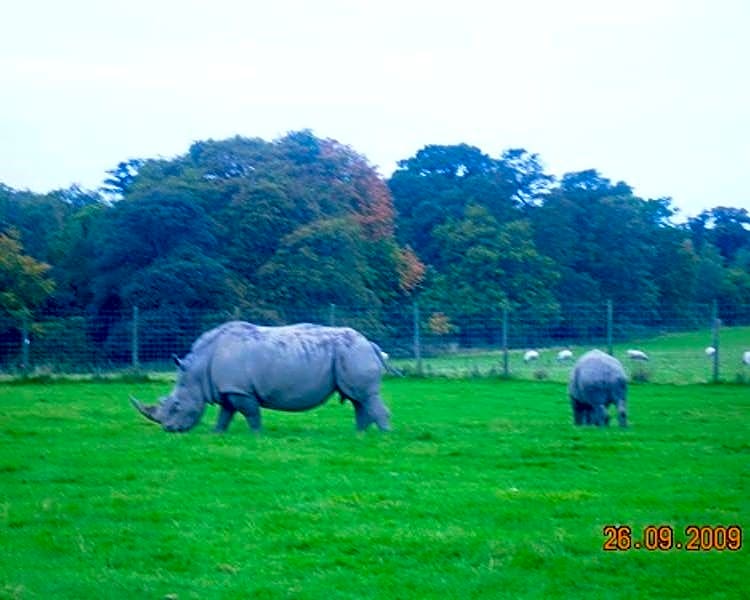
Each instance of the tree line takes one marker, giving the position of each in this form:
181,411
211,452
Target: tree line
269,229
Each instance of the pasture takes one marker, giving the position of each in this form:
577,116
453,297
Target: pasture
484,489
677,358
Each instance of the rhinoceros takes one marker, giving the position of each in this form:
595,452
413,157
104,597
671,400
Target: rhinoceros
244,367
598,380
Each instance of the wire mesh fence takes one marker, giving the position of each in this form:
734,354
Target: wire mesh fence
696,344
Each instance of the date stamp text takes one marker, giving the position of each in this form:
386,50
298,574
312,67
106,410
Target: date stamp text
694,538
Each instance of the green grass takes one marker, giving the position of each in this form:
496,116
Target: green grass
677,358
484,489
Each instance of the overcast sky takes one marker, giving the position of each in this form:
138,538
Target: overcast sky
655,93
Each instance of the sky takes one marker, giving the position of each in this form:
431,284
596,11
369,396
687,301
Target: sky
655,93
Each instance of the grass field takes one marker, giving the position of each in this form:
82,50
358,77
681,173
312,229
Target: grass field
673,358
483,490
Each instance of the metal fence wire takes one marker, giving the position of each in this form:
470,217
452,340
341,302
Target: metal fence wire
420,339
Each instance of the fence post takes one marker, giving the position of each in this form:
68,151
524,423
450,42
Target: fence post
610,320
715,324
417,341
332,315
25,343
505,341
134,339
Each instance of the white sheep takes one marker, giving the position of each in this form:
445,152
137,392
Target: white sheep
710,351
564,355
637,354
530,355
746,357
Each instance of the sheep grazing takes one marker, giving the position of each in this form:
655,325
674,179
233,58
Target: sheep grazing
637,355
710,351
746,357
564,355
530,355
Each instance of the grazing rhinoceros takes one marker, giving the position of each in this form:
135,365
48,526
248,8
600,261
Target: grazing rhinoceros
597,381
245,367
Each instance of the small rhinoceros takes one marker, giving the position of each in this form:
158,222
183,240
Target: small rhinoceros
245,367
598,380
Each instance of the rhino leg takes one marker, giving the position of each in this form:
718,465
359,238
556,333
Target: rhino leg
620,400
581,412
361,417
622,413
225,416
357,372
248,406
232,403
253,419
371,411
601,416
380,414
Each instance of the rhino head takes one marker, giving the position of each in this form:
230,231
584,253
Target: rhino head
182,409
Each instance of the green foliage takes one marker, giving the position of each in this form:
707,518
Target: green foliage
122,177
604,241
155,247
220,229
730,232
489,265
24,283
735,292
258,215
709,274
269,229
483,488
440,182
319,264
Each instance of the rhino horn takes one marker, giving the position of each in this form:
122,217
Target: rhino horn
147,411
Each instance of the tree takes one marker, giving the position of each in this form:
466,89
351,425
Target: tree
439,182
728,230
674,272
429,188
411,271
526,176
24,284
262,194
319,264
182,279
710,274
590,185
73,258
735,296
603,240
490,266
38,218
122,177
233,158
252,223
139,232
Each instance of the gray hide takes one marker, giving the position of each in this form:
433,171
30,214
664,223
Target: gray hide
245,367
597,381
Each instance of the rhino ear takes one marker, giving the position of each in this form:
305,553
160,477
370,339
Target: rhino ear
178,362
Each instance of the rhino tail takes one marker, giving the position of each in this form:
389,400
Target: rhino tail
383,358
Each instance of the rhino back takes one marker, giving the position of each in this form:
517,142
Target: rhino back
286,368
207,340
597,378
